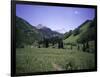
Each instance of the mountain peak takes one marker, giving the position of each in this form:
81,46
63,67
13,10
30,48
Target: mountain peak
40,26
44,28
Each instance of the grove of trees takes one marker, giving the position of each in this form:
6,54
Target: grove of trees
54,40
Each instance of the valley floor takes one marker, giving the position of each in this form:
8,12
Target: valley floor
51,59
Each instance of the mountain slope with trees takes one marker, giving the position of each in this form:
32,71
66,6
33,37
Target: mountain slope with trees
27,34
81,32
83,36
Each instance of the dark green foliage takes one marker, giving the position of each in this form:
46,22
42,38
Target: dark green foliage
84,48
60,44
94,23
83,38
46,43
67,34
19,38
69,44
87,21
54,40
78,47
38,44
93,30
76,32
89,34
25,33
87,47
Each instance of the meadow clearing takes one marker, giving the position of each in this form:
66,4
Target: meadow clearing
52,59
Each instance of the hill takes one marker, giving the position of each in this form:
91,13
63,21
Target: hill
27,34
79,32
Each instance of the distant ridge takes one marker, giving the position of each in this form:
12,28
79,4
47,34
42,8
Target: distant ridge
87,21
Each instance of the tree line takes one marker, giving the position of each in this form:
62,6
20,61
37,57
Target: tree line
54,40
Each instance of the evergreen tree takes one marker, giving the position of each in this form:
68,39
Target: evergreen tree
38,44
78,47
83,48
60,44
87,46
46,43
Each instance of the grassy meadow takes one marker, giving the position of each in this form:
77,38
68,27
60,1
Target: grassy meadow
51,59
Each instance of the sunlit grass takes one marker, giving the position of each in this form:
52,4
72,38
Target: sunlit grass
41,59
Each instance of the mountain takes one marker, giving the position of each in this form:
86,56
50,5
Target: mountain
28,34
39,26
25,33
48,33
85,32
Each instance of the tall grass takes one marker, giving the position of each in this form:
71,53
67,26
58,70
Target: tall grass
40,59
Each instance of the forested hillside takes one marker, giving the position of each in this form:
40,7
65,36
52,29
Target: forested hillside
85,35
27,34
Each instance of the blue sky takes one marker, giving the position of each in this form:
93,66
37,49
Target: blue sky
60,19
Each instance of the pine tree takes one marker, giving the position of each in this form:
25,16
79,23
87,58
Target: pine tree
78,47
62,46
46,43
83,48
87,46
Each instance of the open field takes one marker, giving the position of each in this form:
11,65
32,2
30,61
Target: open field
51,59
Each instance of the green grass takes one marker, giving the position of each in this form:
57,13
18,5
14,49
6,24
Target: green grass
41,59
70,39
85,27
73,39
